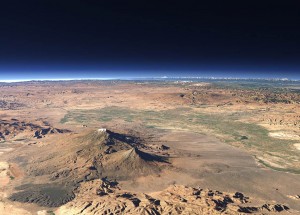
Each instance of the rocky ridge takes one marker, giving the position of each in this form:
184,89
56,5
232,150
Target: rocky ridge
9,129
103,196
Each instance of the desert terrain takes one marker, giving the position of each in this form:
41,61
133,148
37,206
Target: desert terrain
150,147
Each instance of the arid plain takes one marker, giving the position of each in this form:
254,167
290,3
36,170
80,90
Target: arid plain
150,147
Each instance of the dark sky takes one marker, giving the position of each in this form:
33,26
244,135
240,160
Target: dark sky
153,37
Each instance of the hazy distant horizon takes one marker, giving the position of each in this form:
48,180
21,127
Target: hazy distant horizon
68,76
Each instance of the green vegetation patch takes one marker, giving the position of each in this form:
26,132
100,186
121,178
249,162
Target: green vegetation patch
228,127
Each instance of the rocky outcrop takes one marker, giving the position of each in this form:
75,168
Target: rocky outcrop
287,120
11,105
13,127
42,132
106,197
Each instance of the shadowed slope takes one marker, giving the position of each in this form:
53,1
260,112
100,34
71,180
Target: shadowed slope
84,157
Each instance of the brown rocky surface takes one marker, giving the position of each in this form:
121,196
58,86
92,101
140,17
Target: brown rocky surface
106,197
10,129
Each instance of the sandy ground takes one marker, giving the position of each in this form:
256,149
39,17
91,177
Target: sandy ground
9,172
4,179
297,145
7,208
223,167
285,135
